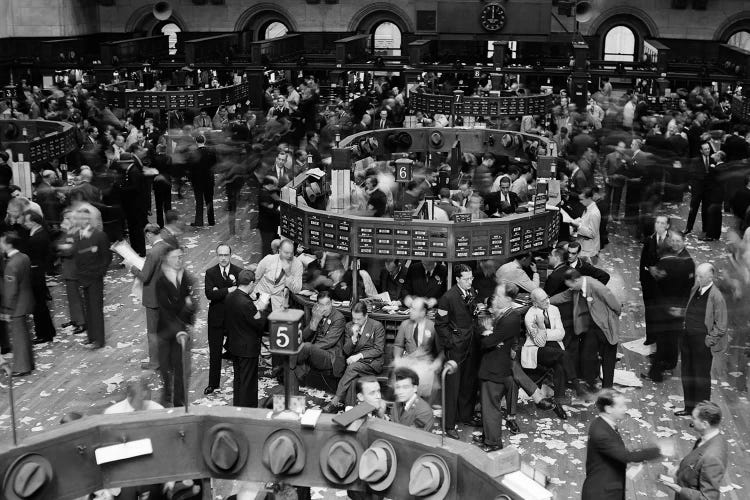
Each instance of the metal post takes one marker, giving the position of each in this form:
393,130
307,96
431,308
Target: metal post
450,275
355,275
182,339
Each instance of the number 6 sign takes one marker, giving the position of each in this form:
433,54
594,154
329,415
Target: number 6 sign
285,331
403,170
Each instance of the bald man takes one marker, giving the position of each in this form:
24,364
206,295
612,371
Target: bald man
705,335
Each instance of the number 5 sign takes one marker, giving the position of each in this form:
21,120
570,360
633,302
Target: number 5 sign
285,331
403,170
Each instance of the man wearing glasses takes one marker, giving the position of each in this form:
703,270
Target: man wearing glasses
454,323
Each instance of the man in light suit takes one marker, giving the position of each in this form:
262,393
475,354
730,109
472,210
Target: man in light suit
705,336
588,226
544,342
17,302
277,273
596,313
364,344
416,336
606,454
322,349
220,281
700,473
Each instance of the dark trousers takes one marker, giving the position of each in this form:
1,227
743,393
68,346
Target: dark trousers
492,418
594,343
245,382
352,373
152,319
75,302
204,194
162,200
136,221
522,380
216,335
233,196
23,355
614,198
697,195
93,298
43,327
4,339
712,225
651,308
460,392
148,181
553,356
696,369
633,197
572,343
266,237
172,374
311,356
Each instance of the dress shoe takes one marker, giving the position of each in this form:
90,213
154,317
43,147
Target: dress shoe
474,422
145,365
21,374
560,412
88,342
333,407
69,323
545,404
512,426
5,350
683,413
226,355
479,438
93,345
489,448
79,329
687,231
706,238
453,434
649,342
40,341
653,378
209,390
195,224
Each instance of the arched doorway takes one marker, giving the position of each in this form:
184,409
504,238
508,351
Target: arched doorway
386,39
620,44
170,29
273,29
740,39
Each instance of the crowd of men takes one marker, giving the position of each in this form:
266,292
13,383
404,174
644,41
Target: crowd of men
566,334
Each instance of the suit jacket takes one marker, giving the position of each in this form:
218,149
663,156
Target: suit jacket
716,318
650,255
39,251
268,281
396,286
537,335
133,189
496,362
578,181
603,308
555,282
606,461
92,256
674,288
588,269
48,200
150,273
418,284
329,337
87,192
406,345
418,415
17,297
175,314
370,343
588,231
494,203
702,470
243,324
454,322
376,124
217,289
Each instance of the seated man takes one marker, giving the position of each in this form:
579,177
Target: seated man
544,344
364,344
427,279
321,348
368,391
513,272
138,398
393,279
410,409
501,202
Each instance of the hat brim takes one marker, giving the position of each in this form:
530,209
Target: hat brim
239,438
387,481
299,462
442,492
10,474
325,452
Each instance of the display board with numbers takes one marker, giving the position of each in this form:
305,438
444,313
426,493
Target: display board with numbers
117,97
42,142
419,239
481,106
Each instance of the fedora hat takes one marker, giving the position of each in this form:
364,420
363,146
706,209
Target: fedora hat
338,459
378,465
284,453
27,477
224,449
429,478
506,140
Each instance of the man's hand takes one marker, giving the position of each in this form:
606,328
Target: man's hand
231,289
666,447
487,325
672,486
316,317
353,358
5,317
533,267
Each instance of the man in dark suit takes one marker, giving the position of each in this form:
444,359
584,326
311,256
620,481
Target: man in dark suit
426,279
557,261
500,334
38,248
584,267
501,202
393,279
577,181
178,304
133,192
244,325
382,121
606,454
702,176
282,169
220,281
149,275
705,334
322,346
92,257
364,344
454,322
653,248
17,302
701,472
202,177
740,203
47,198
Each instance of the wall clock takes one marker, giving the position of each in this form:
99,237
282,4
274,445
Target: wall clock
492,17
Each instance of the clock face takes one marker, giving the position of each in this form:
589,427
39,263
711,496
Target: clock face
493,17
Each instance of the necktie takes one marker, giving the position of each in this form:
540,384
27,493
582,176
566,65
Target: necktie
705,163
224,273
416,335
697,443
382,123
546,319
281,276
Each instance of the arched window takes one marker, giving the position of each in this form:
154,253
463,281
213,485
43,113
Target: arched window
387,39
275,29
171,30
619,44
740,39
